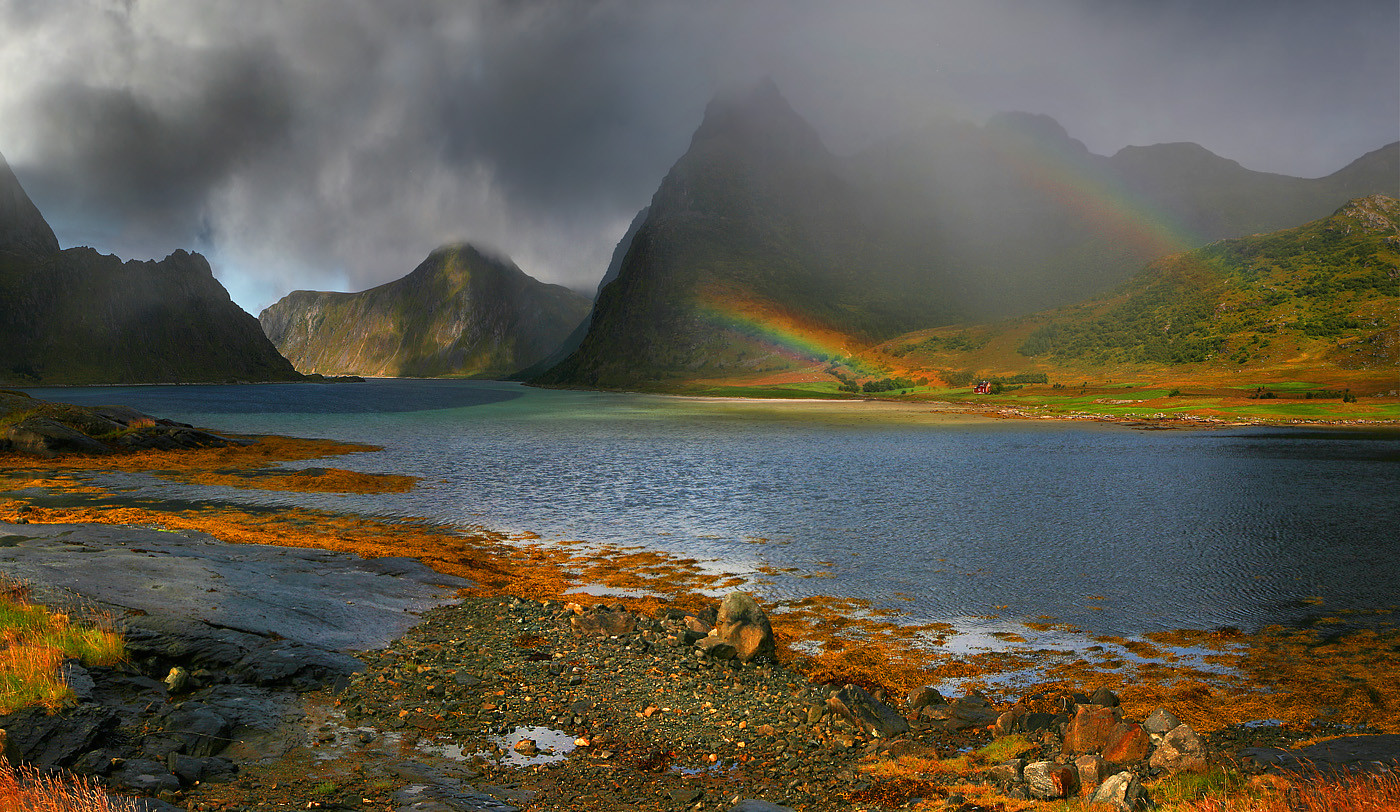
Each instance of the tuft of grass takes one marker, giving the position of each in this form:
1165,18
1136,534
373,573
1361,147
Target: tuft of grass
1005,749
27,790
1183,788
35,643
1348,792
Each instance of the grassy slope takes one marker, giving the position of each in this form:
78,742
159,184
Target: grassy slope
1305,313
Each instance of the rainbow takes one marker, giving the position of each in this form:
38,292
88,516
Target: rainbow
780,333
1099,199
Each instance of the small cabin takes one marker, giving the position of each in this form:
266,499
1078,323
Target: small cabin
983,388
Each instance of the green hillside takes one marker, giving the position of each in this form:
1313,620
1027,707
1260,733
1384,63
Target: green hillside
1324,292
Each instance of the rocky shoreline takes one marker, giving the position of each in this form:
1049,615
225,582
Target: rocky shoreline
497,703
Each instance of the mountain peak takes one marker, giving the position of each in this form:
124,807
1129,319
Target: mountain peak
22,228
758,117
1038,129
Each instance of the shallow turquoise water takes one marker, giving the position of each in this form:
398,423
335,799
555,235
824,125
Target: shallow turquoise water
1172,529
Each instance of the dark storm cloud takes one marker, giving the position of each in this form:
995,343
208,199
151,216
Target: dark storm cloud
119,148
334,143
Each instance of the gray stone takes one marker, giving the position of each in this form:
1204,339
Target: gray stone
1121,791
743,624
78,679
1091,770
47,741
867,713
202,730
1008,772
925,696
1048,780
1181,751
1160,721
717,648
145,776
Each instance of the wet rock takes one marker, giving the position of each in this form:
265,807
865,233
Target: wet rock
1092,770
526,747
1127,743
1104,698
1039,722
743,624
1090,728
1181,750
754,805
717,648
925,696
97,762
867,713
78,679
447,796
1121,791
193,769
1161,722
969,712
48,741
200,729
146,776
1048,780
287,662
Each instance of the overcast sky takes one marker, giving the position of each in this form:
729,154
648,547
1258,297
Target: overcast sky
331,144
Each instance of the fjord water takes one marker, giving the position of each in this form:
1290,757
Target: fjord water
1115,530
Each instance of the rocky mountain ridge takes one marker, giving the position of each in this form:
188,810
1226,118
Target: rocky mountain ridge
461,313
758,233
75,316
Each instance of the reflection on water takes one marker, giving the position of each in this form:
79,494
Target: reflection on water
1113,530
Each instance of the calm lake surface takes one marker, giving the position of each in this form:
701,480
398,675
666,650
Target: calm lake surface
1164,529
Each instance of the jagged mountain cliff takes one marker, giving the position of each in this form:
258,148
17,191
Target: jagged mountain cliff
79,317
460,313
762,249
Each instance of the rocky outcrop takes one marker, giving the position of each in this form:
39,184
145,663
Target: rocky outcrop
42,429
461,313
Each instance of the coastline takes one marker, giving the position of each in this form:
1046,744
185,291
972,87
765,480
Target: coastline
1304,679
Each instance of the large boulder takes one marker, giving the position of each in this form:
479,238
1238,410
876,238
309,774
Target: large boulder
1122,792
1127,743
1160,722
1181,751
743,624
1090,728
1049,780
877,719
